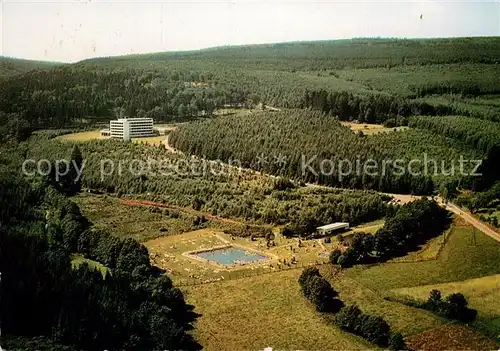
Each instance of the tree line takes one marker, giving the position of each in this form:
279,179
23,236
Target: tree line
347,317
410,226
320,55
476,133
373,108
180,86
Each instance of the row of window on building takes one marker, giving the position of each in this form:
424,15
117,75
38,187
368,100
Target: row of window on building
128,128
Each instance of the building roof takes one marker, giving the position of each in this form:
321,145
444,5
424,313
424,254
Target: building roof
135,119
333,226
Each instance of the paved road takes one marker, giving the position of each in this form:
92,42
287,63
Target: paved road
472,220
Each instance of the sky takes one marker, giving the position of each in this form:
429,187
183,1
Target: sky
69,31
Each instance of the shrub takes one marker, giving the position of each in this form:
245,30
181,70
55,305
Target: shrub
334,256
342,261
396,342
307,273
319,291
373,328
454,306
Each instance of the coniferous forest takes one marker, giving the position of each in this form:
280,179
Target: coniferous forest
129,306
289,129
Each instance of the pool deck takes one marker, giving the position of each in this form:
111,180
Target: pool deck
270,257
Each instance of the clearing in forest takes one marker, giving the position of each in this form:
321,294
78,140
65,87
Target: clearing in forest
370,129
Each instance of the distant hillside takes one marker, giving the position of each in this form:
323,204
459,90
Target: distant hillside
347,53
12,66
368,80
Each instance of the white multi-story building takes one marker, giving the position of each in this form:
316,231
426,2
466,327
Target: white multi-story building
127,128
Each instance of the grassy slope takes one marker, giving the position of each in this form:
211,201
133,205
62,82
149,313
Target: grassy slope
402,318
483,295
459,260
267,310
136,222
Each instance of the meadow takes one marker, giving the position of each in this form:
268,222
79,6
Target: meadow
96,135
139,222
81,136
261,311
262,303
467,254
370,129
483,293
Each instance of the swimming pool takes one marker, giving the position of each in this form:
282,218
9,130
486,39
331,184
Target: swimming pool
230,256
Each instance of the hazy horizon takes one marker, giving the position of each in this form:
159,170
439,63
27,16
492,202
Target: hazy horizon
72,31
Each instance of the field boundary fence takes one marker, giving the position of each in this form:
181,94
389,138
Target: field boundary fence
247,273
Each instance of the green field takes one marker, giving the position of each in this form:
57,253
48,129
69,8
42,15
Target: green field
401,318
263,303
96,134
79,259
264,311
468,254
483,293
81,136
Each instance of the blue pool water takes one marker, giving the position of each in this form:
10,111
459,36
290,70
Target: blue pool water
230,256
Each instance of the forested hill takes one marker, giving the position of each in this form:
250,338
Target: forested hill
12,66
334,54
367,80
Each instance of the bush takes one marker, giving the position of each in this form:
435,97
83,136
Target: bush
397,342
319,291
373,328
347,318
454,306
334,256
287,232
307,273
342,261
